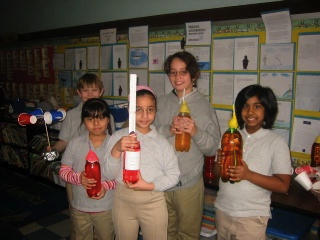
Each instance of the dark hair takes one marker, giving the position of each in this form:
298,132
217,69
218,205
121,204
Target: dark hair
89,79
268,101
143,92
190,61
96,108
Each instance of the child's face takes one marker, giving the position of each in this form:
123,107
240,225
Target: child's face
179,82
145,113
88,92
253,114
96,126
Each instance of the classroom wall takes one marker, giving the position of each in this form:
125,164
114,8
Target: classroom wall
36,15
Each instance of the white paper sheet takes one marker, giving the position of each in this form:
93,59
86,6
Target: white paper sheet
156,56
308,52
277,56
308,92
198,33
280,83
223,50
278,26
305,130
246,53
93,57
138,36
108,36
120,56
120,80
105,57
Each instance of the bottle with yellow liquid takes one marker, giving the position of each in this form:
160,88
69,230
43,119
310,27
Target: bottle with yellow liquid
231,146
183,140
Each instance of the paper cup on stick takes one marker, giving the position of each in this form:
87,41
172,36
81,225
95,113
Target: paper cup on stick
25,119
304,180
54,116
37,112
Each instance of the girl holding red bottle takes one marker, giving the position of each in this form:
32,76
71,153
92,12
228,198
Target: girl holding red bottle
142,203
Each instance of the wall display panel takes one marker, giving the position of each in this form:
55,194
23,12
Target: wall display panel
287,68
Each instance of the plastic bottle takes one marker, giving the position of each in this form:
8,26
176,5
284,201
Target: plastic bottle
131,164
208,168
92,169
315,153
231,145
183,140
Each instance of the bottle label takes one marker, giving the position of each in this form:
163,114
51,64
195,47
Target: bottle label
132,160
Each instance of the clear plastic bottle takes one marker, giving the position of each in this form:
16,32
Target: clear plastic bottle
131,164
183,140
231,146
92,169
315,153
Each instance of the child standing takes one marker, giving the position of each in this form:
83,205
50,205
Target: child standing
89,86
185,200
142,203
243,208
89,213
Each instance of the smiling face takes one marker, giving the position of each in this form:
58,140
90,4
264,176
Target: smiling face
179,77
253,114
145,112
88,92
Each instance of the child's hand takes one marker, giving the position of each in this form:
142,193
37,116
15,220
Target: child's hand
126,143
183,124
219,157
100,194
238,173
88,183
140,185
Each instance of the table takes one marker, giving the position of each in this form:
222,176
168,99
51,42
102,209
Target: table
297,199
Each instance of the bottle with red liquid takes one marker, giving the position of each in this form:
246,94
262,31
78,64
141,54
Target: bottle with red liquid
208,168
231,146
92,170
183,140
131,163
315,153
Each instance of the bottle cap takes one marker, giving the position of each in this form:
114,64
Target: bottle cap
317,140
92,157
184,107
233,123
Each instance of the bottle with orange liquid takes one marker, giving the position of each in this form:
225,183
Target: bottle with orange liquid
315,153
131,164
183,140
231,146
92,169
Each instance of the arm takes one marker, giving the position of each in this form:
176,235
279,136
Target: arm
68,175
275,183
60,146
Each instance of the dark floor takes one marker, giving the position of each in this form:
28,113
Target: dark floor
52,227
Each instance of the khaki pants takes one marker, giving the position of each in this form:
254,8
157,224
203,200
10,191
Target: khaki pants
83,224
185,209
240,228
146,209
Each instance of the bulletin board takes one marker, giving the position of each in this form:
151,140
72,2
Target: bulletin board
287,68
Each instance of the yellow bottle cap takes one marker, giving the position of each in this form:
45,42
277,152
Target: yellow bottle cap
317,139
233,123
184,107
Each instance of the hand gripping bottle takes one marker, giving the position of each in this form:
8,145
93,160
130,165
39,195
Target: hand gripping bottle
92,169
131,164
231,146
315,153
183,140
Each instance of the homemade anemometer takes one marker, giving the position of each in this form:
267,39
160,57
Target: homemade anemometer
49,118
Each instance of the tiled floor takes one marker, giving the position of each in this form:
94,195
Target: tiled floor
52,227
